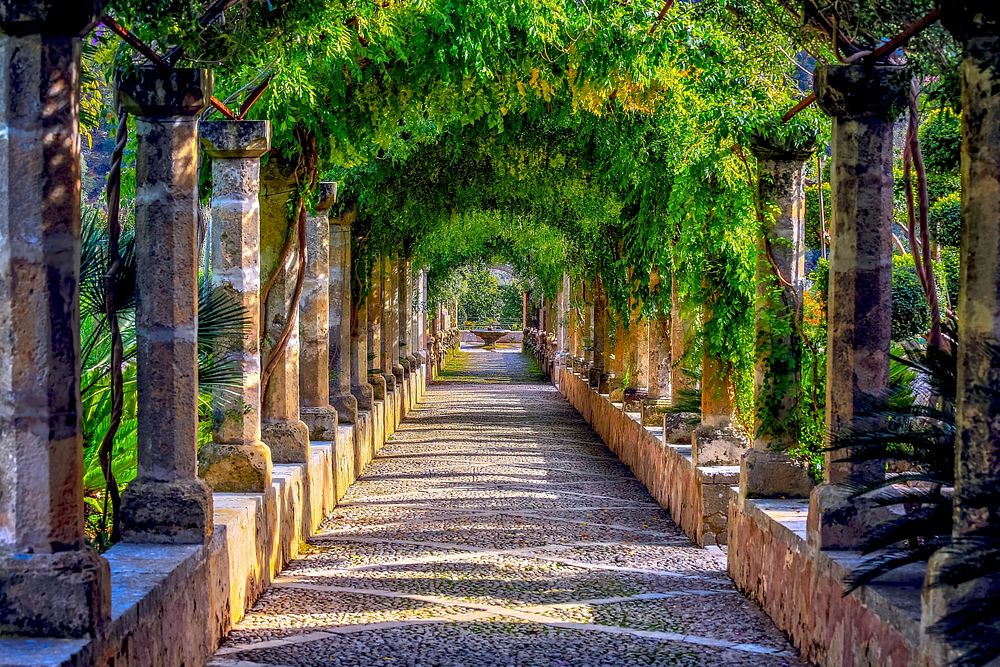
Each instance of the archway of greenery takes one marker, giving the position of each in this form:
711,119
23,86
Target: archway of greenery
589,138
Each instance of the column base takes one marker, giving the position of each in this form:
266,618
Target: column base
177,512
364,394
719,445
678,427
768,474
652,411
390,381
65,595
236,468
597,379
943,601
321,421
378,385
400,374
838,521
288,440
347,406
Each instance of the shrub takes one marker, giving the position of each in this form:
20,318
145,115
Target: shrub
941,141
911,313
946,219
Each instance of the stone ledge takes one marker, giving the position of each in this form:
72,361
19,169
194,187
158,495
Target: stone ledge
172,604
697,499
772,563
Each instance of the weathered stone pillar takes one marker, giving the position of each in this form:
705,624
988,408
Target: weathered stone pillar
680,339
282,429
660,366
766,470
864,102
598,369
236,460
715,441
390,315
422,316
314,323
360,386
167,503
976,25
50,584
405,279
341,375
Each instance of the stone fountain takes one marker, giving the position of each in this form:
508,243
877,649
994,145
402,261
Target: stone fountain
490,336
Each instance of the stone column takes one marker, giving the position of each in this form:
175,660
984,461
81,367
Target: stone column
680,340
641,350
422,316
236,460
376,333
864,102
660,365
50,584
976,25
598,372
715,441
360,386
405,279
341,375
390,315
167,503
314,323
282,429
766,470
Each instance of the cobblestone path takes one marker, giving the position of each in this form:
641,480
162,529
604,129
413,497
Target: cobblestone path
495,529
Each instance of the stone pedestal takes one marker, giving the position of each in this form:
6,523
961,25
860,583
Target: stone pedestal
340,312
314,323
767,472
50,584
282,428
236,460
976,25
167,503
863,102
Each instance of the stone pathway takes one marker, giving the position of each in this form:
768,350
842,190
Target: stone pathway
495,529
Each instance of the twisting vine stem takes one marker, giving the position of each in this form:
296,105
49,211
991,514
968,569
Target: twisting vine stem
106,450
308,166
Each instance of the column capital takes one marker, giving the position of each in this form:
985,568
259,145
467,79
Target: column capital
235,139
326,195
345,219
851,91
154,92
55,17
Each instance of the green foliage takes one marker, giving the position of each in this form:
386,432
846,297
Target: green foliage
910,310
949,274
483,301
945,219
941,141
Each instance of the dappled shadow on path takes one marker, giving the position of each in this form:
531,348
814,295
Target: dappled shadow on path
496,529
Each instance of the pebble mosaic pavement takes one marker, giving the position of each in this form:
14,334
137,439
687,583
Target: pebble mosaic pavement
495,529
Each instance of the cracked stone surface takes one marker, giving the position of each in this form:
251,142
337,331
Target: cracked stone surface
495,529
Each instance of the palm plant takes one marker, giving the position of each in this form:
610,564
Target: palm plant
219,318
914,435
911,431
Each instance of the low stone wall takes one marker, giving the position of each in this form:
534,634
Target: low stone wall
696,497
173,604
800,589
